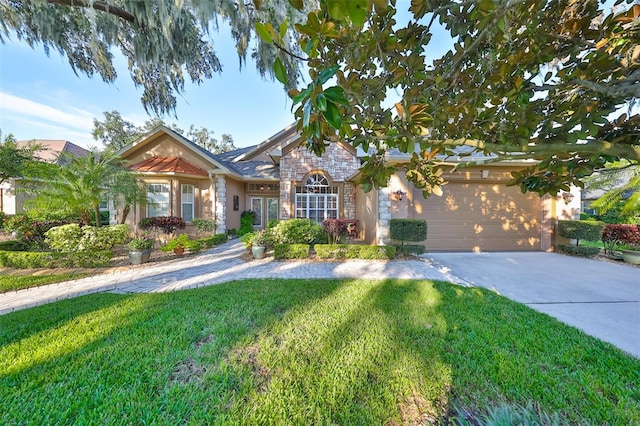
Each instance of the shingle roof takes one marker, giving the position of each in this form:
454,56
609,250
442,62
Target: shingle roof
248,169
51,149
168,165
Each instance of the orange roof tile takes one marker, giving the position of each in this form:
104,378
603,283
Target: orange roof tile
168,165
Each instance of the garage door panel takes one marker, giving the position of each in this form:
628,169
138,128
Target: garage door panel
480,217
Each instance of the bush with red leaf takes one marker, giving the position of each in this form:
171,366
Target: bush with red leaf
615,235
335,229
166,224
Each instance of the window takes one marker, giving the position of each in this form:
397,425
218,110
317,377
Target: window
187,203
256,207
316,200
158,196
272,209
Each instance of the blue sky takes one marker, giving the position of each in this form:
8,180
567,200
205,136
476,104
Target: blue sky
41,98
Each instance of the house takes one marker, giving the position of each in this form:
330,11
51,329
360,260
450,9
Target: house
279,179
11,198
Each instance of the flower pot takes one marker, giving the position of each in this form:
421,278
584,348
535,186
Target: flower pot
136,257
179,251
258,251
631,256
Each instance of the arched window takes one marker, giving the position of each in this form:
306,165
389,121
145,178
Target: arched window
316,199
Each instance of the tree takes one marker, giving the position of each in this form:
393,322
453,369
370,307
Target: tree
15,161
115,133
523,79
205,139
164,41
81,184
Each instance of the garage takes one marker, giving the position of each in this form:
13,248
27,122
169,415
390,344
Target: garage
480,216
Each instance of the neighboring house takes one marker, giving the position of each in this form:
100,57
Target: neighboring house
279,179
11,198
591,193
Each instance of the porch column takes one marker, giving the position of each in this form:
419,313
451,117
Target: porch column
384,216
221,204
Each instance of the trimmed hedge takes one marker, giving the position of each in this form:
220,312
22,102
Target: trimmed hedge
408,229
291,251
579,250
32,259
410,249
13,245
214,240
581,230
354,251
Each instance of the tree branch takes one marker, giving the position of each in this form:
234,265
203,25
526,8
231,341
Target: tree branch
98,5
289,52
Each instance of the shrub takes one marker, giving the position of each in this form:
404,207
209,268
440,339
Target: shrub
182,241
72,237
214,240
335,229
29,231
354,251
261,238
614,235
143,242
297,231
204,225
291,251
246,222
166,224
410,249
86,259
580,230
408,230
13,245
3,217
272,223
579,250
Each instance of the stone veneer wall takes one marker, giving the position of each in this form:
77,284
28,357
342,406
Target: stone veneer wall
384,217
338,162
221,204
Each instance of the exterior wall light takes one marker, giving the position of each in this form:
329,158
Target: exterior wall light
399,194
567,197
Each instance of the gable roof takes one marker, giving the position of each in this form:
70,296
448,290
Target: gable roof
168,165
205,154
51,149
283,138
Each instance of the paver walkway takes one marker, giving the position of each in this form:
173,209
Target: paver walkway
215,266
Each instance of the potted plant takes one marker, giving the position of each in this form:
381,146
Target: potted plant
259,242
177,244
631,253
140,249
180,243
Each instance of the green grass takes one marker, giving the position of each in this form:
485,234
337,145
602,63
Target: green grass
18,282
304,352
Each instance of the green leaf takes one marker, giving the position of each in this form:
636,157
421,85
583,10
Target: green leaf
336,95
300,96
283,27
326,74
357,10
332,115
321,102
279,71
337,9
306,116
297,4
263,32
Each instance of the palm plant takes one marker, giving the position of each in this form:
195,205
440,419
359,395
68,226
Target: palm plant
622,184
80,184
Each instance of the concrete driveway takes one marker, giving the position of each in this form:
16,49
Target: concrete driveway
600,298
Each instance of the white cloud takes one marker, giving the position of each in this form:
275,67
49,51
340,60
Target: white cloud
78,120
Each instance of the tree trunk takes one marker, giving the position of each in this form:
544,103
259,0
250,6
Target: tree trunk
125,213
96,210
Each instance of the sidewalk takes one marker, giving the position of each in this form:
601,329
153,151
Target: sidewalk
218,265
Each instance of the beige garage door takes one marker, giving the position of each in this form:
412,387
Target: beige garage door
480,217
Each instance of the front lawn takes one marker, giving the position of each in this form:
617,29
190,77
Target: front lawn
18,282
304,352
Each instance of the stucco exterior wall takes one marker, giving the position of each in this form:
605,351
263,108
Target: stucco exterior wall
165,146
366,213
235,188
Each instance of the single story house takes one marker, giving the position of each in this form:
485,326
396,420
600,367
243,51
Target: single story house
11,198
279,179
